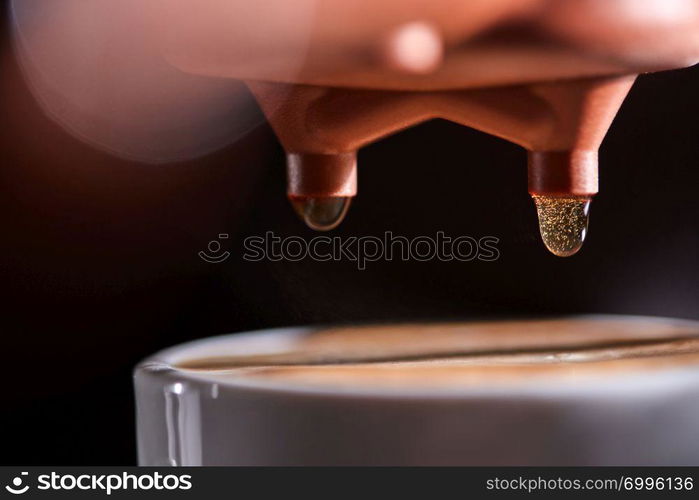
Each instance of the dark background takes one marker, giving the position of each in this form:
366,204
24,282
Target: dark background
99,261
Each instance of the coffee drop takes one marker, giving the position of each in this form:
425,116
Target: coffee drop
563,222
322,213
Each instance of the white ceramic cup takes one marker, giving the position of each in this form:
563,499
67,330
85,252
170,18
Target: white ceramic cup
600,390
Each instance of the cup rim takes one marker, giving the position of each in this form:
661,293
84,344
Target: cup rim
628,384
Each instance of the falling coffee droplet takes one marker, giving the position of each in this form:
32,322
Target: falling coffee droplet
563,222
322,213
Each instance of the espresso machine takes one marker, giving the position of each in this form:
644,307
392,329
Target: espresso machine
332,77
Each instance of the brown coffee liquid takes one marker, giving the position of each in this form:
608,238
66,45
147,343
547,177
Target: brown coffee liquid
321,213
563,223
467,354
